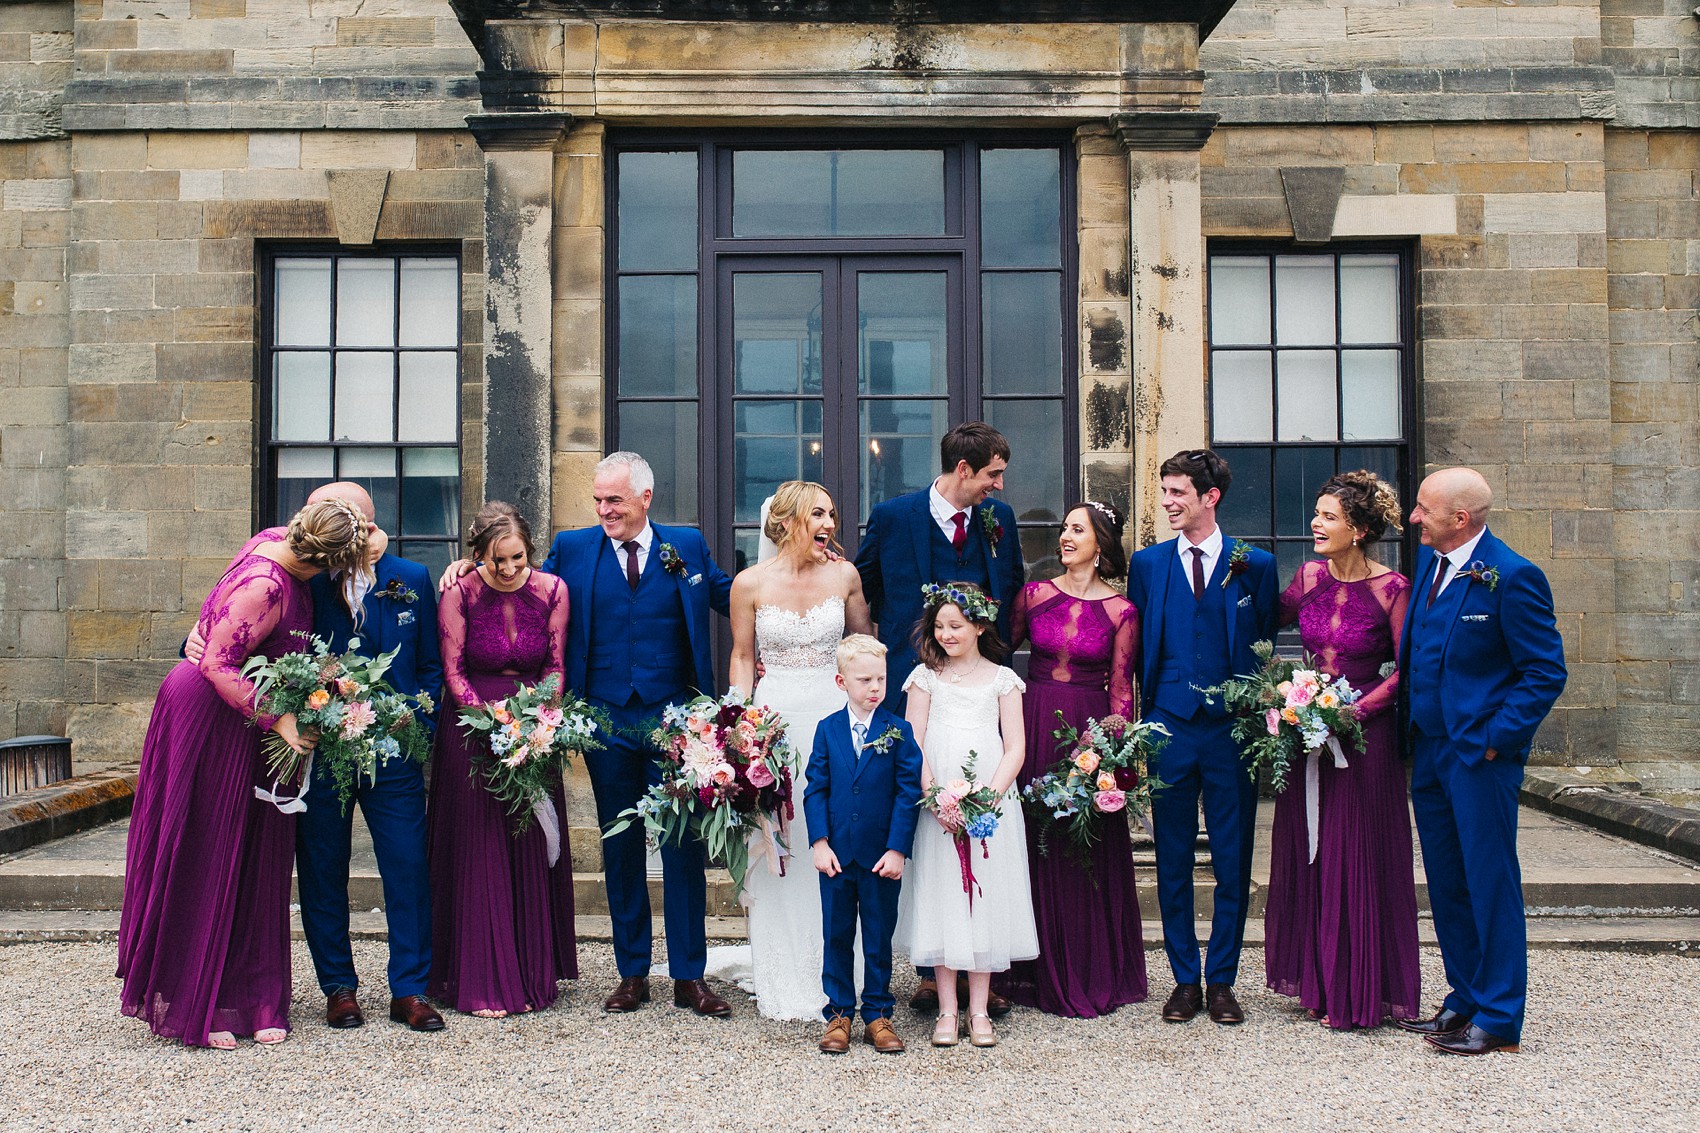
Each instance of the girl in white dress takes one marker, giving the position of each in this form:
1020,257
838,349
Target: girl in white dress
964,705
790,610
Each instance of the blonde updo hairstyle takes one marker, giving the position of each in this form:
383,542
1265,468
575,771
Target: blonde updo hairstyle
792,501
497,520
1367,502
329,535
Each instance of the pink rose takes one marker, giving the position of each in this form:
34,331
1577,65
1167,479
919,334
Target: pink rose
1108,802
1272,721
721,774
1300,696
1087,761
550,717
759,775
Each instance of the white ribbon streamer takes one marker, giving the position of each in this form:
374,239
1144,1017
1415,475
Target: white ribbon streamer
1313,777
544,809
289,804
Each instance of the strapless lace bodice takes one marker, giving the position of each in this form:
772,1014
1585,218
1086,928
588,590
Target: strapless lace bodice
789,640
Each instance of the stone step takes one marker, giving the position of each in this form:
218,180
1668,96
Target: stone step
1590,934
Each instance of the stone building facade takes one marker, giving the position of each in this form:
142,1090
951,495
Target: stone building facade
1474,223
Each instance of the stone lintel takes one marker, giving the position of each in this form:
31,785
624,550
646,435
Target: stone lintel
1178,130
357,197
519,131
1313,196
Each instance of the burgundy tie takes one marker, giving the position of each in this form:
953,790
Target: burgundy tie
1197,573
1439,577
630,546
961,536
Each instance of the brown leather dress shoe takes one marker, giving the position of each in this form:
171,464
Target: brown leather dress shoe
416,1012
1471,1040
926,998
880,1035
1224,1008
1445,1022
632,993
342,1010
699,997
1183,1003
837,1037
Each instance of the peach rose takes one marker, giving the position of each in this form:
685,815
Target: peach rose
318,699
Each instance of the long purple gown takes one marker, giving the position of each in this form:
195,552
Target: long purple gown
502,918
203,941
1341,933
1091,948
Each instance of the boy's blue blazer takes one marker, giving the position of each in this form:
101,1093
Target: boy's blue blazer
868,806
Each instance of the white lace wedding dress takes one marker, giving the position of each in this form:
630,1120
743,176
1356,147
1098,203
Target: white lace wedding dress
781,965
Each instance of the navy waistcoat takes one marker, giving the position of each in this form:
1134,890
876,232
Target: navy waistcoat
948,566
638,644
1428,642
1194,651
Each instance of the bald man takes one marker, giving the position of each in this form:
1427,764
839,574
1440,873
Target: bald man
1481,664
398,611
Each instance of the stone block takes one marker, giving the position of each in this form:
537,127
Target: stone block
1647,443
385,31
358,149
154,585
578,263
203,361
44,405
1563,285
31,584
1544,212
571,474
99,634
578,413
267,219
1396,215
1497,177
1653,402
1473,442
578,337
447,149
1657,637
116,326
111,362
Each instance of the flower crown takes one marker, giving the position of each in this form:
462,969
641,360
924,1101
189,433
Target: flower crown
969,600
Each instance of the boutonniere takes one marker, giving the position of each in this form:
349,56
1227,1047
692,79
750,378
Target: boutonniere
396,592
670,560
882,743
1237,564
993,529
1480,572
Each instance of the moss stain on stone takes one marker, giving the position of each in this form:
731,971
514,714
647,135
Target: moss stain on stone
1109,421
1106,340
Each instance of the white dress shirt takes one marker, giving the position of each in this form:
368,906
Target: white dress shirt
355,586
1212,548
645,539
944,513
867,730
1456,559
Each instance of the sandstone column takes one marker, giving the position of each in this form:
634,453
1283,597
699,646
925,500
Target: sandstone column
1167,294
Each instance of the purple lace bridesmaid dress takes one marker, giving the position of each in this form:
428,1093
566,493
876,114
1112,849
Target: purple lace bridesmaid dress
1091,947
203,941
1341,932
501,916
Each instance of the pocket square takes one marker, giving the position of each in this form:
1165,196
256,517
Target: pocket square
405,618
696,579
1243,602
1476,618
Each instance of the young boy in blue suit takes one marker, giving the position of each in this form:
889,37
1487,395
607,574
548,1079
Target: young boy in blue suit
864,785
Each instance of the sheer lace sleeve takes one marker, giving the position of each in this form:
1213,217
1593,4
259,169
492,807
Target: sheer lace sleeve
1293,597
235,624
555,597
1124,656
1393,592
452,613
1018,615
1004,680
920,677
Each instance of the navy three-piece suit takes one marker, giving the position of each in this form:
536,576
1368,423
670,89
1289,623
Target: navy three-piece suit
863,806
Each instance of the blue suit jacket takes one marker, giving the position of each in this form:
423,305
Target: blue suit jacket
1254,611
1502,662
390,622
896,559
702,587
863,807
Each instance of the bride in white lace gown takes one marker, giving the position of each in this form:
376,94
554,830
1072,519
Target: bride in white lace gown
790,610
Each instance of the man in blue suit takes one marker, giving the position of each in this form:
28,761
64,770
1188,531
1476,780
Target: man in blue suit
861,803
950,531
638,640
1481,664
1203,601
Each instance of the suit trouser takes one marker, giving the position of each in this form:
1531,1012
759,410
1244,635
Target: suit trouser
858,891
619,775
1467,823
1202,760
394,809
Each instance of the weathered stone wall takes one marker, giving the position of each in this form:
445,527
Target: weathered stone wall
35,201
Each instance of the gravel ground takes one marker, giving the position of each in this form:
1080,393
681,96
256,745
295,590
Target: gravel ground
1610,1046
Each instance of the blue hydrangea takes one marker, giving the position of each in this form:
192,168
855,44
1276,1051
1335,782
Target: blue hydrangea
387,748
983,827
500,741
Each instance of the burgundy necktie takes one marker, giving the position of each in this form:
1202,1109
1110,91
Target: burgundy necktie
630,546
1197,573
961,536
1439,577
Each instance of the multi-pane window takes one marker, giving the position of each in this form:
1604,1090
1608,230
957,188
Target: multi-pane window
361,381
802,312
1310,374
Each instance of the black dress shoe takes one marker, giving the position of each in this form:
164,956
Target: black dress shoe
1183,1004
342,1010
1224,1008
1471,1040
699,997
632,993
1445,1022
925,1001
416,1012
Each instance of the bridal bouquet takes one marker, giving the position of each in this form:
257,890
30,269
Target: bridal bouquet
532,734
360,720
726,774
967,810
1287,708
1107,770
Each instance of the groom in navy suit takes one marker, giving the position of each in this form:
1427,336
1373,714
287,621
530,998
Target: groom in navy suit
638,640
1481,664
1203,601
